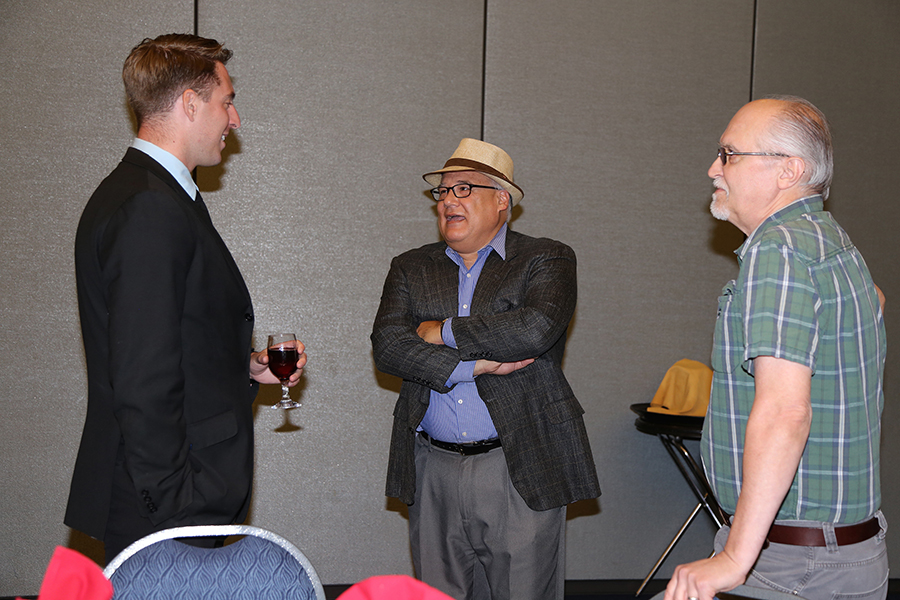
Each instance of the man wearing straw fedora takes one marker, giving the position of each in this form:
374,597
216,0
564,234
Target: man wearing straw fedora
488,444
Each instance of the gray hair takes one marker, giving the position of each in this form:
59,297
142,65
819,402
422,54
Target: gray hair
800,129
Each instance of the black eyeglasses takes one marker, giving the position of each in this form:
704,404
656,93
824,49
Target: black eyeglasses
460,190
725,153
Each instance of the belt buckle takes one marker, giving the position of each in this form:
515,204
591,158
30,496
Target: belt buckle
468,446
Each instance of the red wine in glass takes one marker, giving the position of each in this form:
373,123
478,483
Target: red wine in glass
283,362
283,356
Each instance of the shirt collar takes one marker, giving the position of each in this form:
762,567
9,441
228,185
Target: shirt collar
171,164
498,244
788,213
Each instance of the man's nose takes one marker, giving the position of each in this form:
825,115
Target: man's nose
715,169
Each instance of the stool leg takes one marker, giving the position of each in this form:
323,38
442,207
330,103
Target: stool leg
668,549
695,477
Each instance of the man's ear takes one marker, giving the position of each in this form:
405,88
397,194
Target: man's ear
190,103
792,173
504,201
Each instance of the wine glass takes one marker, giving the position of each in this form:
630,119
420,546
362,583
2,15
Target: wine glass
283,356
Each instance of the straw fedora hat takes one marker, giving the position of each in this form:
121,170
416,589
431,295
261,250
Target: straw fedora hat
684,390
488,159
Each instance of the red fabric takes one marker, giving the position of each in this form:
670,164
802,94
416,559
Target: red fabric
392,587
73,576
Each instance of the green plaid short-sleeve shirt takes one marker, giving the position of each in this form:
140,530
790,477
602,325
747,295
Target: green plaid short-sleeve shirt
803,294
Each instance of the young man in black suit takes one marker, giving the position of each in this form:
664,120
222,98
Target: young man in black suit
489,445
165,316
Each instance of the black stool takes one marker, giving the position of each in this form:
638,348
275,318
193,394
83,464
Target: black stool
672,430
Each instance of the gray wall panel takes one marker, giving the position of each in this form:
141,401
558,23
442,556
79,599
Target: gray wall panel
65,126
344,106
612,112
843,57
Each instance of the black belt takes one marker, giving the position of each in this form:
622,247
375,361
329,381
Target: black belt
467,449
814,536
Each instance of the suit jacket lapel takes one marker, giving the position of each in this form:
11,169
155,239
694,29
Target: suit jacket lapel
443,282
135,156
200,206
495,272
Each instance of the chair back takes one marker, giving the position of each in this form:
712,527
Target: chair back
261,566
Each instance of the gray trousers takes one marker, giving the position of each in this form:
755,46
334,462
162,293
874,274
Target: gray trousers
857,571
473,537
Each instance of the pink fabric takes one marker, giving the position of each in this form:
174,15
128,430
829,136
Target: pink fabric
73,576
392,587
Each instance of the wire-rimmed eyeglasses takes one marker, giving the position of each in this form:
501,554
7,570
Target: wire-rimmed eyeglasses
724,153
460,190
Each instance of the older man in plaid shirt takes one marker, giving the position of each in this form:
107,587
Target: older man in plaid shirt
791,439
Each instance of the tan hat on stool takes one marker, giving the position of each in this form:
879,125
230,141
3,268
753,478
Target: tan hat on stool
475,155
684,390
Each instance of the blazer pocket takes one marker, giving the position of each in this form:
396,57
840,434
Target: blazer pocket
212,430
563,410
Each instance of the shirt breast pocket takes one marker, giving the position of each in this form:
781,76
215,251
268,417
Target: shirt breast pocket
728,340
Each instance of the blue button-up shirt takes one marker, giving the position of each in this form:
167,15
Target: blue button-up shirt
461,415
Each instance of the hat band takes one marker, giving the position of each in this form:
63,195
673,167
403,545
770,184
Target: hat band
477,166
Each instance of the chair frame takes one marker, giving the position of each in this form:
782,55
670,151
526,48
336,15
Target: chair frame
194,531
672,430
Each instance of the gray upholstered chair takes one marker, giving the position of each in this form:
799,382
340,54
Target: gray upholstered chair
261,566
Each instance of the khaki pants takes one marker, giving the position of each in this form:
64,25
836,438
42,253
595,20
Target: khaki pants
857,571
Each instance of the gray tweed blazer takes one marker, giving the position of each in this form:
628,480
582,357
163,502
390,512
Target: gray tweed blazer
521,309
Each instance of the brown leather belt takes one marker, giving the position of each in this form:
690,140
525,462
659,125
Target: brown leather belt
464,449
814,536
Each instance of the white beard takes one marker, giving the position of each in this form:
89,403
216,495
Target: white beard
717,207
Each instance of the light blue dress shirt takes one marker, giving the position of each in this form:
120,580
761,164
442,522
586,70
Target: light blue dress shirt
171,164
461,415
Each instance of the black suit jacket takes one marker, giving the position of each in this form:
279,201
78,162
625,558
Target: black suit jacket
167,322
521,309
